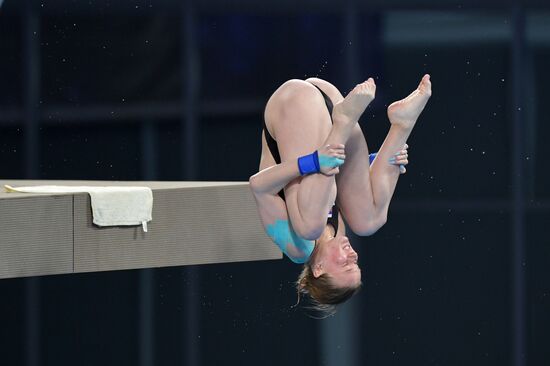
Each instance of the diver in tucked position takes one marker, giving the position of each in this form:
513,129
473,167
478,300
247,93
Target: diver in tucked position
315,162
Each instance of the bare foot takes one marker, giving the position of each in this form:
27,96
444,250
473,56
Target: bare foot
354,104
405,112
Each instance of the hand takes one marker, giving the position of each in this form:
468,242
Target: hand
401,159
330,158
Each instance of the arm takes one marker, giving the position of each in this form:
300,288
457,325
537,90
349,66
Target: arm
273,212
267,183
274,178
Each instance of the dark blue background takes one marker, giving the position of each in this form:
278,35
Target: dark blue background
437,278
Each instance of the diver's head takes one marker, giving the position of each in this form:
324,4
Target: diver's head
331,276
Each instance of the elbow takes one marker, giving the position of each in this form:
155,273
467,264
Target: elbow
368,228
253,183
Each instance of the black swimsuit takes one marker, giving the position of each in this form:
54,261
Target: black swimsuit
272,144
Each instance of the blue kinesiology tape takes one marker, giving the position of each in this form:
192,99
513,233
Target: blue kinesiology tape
309,164
285,238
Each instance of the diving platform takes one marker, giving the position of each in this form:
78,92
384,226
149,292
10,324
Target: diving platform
193,223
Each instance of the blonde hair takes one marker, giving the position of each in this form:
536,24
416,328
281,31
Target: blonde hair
323,294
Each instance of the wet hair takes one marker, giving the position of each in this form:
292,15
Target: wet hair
321,291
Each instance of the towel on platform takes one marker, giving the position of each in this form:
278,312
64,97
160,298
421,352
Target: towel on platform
111,206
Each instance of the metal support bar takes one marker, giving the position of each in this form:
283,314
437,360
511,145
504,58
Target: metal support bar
31,72
518,170
340,335
191,326
32,321
530,124
149,151
190,134
31,87
146,318
146,276
190,83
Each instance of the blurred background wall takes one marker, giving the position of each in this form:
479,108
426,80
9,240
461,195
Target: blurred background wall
175,90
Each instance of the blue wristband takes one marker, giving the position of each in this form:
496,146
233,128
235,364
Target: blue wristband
308,164
372,157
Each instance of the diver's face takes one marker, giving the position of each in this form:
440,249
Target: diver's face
337,258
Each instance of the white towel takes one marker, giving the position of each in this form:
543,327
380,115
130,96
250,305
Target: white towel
111,206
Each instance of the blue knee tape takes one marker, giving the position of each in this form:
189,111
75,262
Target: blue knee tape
309,164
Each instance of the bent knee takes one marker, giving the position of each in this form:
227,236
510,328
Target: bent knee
367,227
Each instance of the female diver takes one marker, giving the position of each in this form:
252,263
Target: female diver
315,162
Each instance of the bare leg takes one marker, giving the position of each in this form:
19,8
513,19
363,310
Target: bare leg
364,196
301,125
